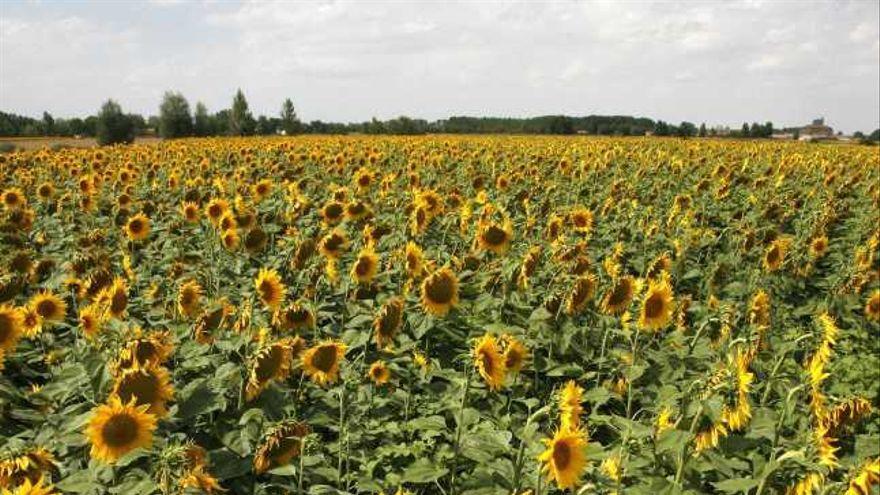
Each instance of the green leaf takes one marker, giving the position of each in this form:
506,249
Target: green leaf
423,471
736,485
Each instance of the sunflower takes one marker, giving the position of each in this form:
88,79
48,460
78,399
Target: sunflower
759,309
356,210
230,239
528,266
45,191
495,238
90,321
210,321
489,361
515,353
440,292
189,298
32,488
872,306
281,443
147,386
11,327
333,244
708,436
365,266
49,306
818,246
138,227
190,212
30,465
143,351
379,373
227,222
332,212
581,293
304,251
261,190
255,240
321,362
619,297
13,199
415,260
582,220
565,460
114,299
657,307
269,288
198,478
116,429
296,317
388,321
271,363
774,256
32,323
215,210
867,476
570,408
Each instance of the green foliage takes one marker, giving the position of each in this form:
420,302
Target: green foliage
113,126
174,117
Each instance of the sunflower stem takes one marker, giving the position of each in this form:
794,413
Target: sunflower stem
458,427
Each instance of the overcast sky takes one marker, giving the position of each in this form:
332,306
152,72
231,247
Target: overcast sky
718,62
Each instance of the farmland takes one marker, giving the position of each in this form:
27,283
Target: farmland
441,315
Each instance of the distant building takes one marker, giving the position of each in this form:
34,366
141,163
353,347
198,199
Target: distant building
816,131
782,135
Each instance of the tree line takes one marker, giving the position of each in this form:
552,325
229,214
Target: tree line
176,119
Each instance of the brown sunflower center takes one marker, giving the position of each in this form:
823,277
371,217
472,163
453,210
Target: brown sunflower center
214,211
873,305
773,255
488,363
145,351
118,302
333,210
46,308
363,266
267,290
620,294
561,455
333,243
439,289
324,358
494,235
144,387
120,430
269,363
654,305
512,358
5,327
136,226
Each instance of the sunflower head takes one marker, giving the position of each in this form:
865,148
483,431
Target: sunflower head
619,297
564,459
31,465
215,210
190,212
494,237
581,293
657,306
11,327
280,444
13,199
872,306
189,298
271,363
333,244
440,292
388,321
116,429
365,266
379,373
269,288
414,260
774,256
138,227
332,213
515,353
489,361
818,246
570,408
321,362
147,386
90,320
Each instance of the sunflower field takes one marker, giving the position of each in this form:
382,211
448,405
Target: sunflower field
440,315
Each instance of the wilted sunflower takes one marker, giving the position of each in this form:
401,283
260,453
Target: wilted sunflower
189,298
489,361
147,386
657,307
270,290
296,317
31,465
565,460
116,429
581,293
495,238
271,363
321,362
379,373
210,321
515,353
619,297
282,443
872,306
49,306
440,292
11,327
365,266
190,212
138,227
333,244
388,322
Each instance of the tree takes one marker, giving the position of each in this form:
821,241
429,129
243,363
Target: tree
241,121
112,126
874,136
702,130
48,124
768,129
745,130
289,121
174,117
202,121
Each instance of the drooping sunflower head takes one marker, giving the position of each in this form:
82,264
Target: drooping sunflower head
657,306
619,297
332,212
582,292
269,288
280,445
143,351
190,212
116,429
210,321
49,306
147,386
515,353
494,237
379,373
564,459
11,327
271,363
189,298
365,266
388,321
774,256
440,292
414,260
90,321
28,465
872,306
296,317
138,227
114,299
489,361
432,201
321,362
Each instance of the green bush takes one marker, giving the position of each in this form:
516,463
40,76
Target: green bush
114,126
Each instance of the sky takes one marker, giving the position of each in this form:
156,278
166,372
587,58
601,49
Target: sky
722,63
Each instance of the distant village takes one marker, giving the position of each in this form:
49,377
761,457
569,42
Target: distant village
817,130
